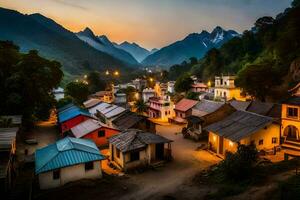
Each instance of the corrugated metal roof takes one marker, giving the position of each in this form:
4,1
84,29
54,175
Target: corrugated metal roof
7,136
205,107
128,120
16,119
87,127
65,107
185,104
66,152
239,125
99,108
259,107
71,113
91,103
240,105
132,139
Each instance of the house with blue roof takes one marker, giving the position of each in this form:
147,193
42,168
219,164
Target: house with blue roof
71,116
67,160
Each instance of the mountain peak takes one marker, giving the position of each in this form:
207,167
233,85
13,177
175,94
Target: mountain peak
218,29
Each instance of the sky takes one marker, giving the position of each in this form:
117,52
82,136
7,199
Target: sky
150,23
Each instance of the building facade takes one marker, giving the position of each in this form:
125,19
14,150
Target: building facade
161,108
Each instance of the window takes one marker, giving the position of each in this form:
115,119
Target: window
180,114
292,112
101,133
56,174
117,153
166,112
274,140
261,142
134,156
89,166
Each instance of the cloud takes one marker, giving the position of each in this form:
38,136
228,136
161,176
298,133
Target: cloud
70,4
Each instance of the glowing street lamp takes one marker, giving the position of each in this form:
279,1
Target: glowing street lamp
107,73
116,73
85,76
151,79
209,84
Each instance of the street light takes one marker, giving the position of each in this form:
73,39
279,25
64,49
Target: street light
151,79
85,76
116,73
107,73
208,83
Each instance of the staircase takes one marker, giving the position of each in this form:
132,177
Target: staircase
291,148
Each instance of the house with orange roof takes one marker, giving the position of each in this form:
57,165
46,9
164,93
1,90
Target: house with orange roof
199,87
183,109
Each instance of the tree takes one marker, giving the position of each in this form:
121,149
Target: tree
192,95
259,80
296,3
79,91
64,101
130,93
26,82
95,83
240,165
140,106
183,83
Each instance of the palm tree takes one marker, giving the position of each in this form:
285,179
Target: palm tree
140,106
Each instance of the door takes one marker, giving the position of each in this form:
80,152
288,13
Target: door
159,151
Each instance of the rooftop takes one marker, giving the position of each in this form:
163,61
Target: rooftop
185,104
91,103
128,120
293,101
205,107
199,85
133,139
7,137
66,152
239,125
240,105
72,112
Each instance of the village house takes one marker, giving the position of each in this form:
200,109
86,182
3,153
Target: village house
135,148
70,117
131,120
226,90
290,126
242,127
139,83
147,93
116,88
104,96
94,130
69,159
59,93
7,157
199,87
183,109
161,108
120,98
205,113
13,120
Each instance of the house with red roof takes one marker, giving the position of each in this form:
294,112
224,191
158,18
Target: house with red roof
94,130
183,109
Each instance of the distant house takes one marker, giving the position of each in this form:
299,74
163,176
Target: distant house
148,93
67,160
59,93
226,90
183,109
290,123
199,87
205,113
72,116
242,127
120,99
15,120
171,87
107,112
160,89
134,148
131,120
7,157
94,130
105,96
91,103
161,108
139,83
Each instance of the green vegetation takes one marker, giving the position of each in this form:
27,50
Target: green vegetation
26,82
193,95
95,82
140,106
183,83
79,91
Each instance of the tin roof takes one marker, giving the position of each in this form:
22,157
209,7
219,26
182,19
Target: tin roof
71,112
133,139
91,103
87,127
66,152
101,106
15,119
259,107
127,120
239,125
205,107
7,137
65,107
185,104
240,105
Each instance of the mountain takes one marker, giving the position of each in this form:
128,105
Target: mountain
54,42
194,45
134,49
153,50
102,43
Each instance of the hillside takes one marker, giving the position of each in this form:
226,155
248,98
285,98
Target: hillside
54,42
194,45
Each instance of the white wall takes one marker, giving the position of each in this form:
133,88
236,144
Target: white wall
68,174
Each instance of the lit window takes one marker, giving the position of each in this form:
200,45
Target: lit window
274,140
261,142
